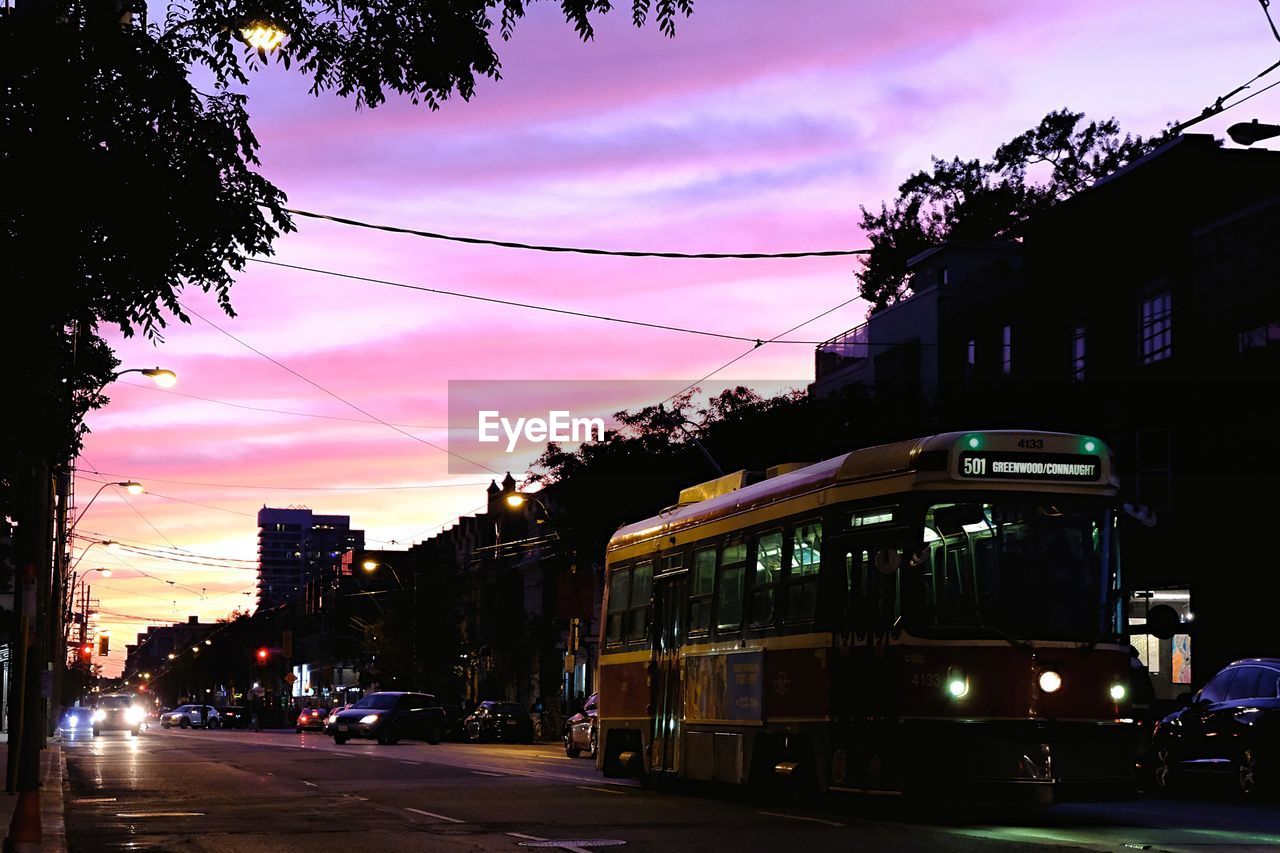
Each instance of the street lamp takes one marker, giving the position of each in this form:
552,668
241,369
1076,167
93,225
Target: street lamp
134,488
163,378
370,566
1249,132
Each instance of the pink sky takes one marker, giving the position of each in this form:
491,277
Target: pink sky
761,127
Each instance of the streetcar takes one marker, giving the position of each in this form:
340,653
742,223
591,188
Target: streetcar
939,616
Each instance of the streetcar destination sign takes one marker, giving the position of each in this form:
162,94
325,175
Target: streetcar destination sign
1001,465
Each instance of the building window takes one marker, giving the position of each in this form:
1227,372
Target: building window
1006,350
1156,332
1077,354
1259,338
970,359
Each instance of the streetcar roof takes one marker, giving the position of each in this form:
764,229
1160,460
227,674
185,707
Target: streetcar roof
919,454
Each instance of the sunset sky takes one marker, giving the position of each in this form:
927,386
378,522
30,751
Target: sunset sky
762,127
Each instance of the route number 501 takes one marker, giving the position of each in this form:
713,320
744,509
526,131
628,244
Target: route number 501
975,467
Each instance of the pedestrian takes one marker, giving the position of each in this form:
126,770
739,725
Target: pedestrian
255,713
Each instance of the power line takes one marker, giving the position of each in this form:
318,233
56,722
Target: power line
154,387
413,487
527,305
758,345
577,250
317,385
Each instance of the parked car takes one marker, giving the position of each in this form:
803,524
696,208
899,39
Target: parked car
310,719
389,716
117,712
505,721
191,716
233,717
580,732
1231,728
76,722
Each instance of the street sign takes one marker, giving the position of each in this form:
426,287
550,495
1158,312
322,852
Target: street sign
290,678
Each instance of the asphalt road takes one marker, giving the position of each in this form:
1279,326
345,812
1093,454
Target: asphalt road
227,791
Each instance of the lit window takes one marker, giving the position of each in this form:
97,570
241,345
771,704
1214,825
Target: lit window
1258,338
1077,354
1156,331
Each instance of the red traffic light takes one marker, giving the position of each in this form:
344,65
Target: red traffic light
87,650
262,654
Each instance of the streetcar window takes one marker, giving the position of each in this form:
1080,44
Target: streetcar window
733,565
768,573
619,587
704,579
674,563
802,577
1014,569
641,601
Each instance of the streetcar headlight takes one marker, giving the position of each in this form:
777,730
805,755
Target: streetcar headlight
99,715
1050,681
957,686
1118,692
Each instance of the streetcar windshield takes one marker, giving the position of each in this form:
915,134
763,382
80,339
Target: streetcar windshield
1021,570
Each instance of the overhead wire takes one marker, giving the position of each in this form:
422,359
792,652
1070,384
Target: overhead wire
578,250
527,305
337,397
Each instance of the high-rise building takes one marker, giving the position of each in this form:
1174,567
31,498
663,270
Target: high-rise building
294,544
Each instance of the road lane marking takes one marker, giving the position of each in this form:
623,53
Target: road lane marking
407,761
802,817
483,773
160,814
309,784
434,815
93,800
525,837
601,790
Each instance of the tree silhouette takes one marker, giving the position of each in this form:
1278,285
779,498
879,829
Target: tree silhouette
973,201
126,184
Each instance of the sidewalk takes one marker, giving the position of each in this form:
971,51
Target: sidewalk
52,822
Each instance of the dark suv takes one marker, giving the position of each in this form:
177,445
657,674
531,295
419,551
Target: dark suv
390,716
1231,727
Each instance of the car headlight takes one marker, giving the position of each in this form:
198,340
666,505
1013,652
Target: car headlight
99,715
369,719
331,719
71,722
134,716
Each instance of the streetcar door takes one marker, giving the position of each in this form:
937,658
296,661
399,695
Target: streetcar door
670,589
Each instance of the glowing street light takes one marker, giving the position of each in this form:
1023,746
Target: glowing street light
262,35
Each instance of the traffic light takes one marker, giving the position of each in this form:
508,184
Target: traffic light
262,655
104,645
87,651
